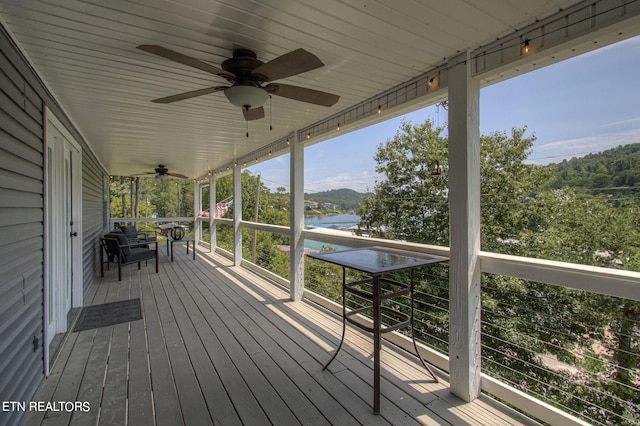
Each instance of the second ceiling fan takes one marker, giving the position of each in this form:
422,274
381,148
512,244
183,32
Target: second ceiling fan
247,76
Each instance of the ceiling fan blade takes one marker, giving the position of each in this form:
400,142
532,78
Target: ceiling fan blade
303,94
292,63
184,59
253,113
187,95
178,175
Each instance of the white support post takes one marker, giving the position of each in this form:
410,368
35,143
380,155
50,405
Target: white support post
197,208
296,251
212,213
464,208
237,215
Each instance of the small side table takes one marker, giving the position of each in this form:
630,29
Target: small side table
377,261
183,240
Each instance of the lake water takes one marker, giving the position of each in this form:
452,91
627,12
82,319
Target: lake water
338,221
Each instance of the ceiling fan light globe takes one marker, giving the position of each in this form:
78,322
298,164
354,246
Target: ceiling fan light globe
247,97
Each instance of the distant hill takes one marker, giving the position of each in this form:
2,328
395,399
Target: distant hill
343,198
607,170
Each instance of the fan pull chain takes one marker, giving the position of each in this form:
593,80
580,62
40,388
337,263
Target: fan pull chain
247,123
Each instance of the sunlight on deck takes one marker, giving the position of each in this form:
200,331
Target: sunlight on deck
220,345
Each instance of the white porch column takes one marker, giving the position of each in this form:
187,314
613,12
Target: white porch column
237,215
464,207
197,208
212,213
296,194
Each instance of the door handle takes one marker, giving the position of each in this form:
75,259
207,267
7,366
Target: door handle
74,234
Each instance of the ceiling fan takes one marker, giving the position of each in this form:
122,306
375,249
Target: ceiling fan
162,172
247,76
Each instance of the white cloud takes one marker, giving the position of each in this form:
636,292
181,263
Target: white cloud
617,123
555,152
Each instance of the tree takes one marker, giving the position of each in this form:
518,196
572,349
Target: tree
136,210
409,204
123,181
412,204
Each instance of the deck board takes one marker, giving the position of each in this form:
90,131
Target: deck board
220,345
359,361
227,356
288,337
94,376
189,393
192,327
348,397
113,408
165,397
259,347
140,396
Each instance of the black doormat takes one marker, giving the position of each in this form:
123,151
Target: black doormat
107,314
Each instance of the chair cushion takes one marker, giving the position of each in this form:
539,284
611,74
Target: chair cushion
138,254
130,231
122,241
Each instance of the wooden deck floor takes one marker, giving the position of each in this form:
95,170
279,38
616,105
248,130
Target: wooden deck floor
219,345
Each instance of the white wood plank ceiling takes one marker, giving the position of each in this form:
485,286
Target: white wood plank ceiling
85,51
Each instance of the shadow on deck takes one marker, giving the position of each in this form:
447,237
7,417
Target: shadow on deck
219,345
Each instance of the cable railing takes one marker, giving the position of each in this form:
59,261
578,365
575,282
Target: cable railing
563,347
546,339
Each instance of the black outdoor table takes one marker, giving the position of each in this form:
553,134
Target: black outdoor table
183,240
377,261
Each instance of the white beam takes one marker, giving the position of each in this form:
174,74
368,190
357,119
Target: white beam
237,215
212,213
296,253
595,279
464,207
197,208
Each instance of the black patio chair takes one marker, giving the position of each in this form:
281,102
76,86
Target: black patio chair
133,235
119,249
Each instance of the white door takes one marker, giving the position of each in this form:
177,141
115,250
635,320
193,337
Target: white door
63,287
72,250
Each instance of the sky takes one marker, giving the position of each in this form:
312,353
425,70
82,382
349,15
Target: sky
587,104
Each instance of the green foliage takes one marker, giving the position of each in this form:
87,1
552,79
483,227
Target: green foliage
609,171
410,204
164,197
273,208
345,199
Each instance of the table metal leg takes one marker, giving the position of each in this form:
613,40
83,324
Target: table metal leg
344,320
376,344
194,249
